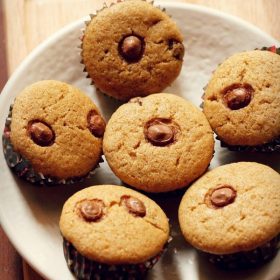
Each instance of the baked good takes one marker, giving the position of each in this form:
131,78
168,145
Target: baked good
132,49
53,134
158,143
242,100
232,214
112,232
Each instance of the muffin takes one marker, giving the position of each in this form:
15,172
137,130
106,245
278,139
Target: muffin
242,101
112,232
132,49
53,134
158,143
232,214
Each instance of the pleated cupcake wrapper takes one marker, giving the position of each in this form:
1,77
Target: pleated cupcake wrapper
248,259
86,269
23,168
273,146
87,22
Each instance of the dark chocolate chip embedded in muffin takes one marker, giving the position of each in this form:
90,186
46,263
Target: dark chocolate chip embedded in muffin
53,134
132,49
232,214
158,143
241,101
112,232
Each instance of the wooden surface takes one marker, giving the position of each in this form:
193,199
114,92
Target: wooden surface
24,24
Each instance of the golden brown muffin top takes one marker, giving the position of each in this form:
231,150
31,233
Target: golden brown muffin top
56,108
232,208
123,67
114,225
158,143
242,99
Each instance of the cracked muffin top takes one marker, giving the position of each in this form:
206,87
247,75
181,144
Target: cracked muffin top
132,49
242,99
114,225
232,208
58,129
158,143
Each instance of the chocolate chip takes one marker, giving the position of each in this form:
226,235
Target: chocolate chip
134,206
237,96
41,133
91,210
222,195
96,124
160,132
131,48
177,48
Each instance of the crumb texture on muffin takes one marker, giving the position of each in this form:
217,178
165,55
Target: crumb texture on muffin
75,150
251,220
147,166
119,237
258,122
162,50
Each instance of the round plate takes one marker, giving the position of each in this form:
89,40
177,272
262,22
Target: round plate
30,215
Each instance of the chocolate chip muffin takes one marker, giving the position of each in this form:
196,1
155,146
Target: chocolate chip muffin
53,134
132,49
232,214
158,143
242,101
112,232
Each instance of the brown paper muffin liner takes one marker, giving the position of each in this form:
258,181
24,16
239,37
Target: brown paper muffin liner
246,259
84,268
273,146
23,168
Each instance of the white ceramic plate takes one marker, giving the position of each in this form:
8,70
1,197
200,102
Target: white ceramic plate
30,215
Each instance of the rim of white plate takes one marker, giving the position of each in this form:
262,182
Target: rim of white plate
72,26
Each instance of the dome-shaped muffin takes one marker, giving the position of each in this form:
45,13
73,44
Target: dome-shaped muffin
242,100
132,49
158,143
55,130
113,226
233,213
